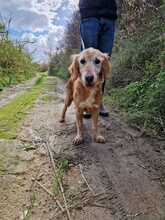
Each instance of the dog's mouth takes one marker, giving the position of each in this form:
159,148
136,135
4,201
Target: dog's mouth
89,84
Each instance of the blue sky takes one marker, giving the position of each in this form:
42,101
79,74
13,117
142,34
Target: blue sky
41,21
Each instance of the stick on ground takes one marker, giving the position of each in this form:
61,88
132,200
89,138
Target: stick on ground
59,182
51,194
84,178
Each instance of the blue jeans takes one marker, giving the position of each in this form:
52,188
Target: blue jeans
97,33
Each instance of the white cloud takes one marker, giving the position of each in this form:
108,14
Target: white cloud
41,20
26,20
28,36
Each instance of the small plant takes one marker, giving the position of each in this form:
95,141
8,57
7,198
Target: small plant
26,212
62,168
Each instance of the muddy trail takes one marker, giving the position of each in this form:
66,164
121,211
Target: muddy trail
122,179
10,93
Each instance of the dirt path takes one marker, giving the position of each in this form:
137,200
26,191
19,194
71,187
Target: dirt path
10,93
127,174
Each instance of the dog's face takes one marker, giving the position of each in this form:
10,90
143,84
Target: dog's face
90,66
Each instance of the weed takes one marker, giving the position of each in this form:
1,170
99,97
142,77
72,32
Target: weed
62,168
26,212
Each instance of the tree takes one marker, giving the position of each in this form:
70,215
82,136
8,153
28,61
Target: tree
72,34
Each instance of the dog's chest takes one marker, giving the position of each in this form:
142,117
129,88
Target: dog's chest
89,99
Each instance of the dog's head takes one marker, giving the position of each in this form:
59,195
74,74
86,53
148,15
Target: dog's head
91,66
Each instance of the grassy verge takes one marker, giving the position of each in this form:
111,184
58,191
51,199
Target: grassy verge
139,78
143,103
12,114
15,63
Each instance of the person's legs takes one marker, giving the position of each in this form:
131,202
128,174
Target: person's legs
89,30
105,45
106,38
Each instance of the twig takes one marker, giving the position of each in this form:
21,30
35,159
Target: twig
27,211
140,165
83,203
135,215
99,205
45,189
89,187
59,182
51,194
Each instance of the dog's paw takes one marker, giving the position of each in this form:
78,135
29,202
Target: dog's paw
100,139
78,140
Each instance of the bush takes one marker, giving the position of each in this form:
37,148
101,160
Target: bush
144,100
138,64
59,64
43,67
15,64
60,61
131,56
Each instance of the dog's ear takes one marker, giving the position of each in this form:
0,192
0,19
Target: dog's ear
106,67
74,67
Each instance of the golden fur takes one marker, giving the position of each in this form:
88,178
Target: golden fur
87,96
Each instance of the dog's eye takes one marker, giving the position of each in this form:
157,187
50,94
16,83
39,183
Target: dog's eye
97,61
82,61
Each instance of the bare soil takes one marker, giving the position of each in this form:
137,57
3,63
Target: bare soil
126,176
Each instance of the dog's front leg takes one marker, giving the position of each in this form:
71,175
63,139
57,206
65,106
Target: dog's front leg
96,135
79,123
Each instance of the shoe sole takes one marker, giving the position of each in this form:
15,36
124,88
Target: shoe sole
87,115
103,114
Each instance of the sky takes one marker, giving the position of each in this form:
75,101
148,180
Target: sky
39,21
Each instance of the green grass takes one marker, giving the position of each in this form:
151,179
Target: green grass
59,71
48,98
12,114
62,168
143,103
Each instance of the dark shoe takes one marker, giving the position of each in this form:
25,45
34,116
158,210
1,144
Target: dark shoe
86,115
103,111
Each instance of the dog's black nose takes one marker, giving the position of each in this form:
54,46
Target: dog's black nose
89,79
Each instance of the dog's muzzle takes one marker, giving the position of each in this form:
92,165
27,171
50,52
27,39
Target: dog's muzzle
89,79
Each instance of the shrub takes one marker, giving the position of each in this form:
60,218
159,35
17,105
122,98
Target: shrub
138,64
59,64
43,67
15,64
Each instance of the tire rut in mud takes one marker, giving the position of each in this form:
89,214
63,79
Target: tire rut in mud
127,173
128,170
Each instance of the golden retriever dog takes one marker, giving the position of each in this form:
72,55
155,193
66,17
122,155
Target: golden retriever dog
87,72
